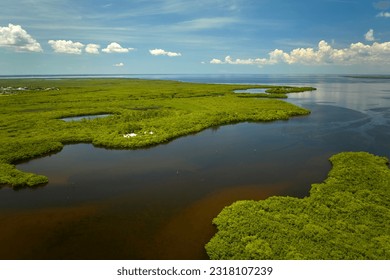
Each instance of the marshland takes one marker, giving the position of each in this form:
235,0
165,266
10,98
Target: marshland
146,165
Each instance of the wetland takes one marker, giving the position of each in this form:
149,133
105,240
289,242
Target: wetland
100,195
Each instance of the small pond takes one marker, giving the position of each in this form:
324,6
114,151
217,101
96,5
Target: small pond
85,117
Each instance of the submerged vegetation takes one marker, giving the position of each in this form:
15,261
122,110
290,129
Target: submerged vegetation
346,217
140,113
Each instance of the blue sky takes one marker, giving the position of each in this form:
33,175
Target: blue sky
201,36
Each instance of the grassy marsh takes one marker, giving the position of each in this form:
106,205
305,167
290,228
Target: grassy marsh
141,113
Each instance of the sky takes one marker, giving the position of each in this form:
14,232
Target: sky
39,37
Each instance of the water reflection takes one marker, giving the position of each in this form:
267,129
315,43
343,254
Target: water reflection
251,90
86,117
158,203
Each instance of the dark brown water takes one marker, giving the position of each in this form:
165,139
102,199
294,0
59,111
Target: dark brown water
158,203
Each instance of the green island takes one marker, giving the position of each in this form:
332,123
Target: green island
345,217
140,113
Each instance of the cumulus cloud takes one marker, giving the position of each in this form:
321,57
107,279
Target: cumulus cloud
116,48
383,5
370,35
384,14
121,64
357,53
15,37
238,61
163,52
216,61
92,48
69,47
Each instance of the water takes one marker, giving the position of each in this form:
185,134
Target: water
251,90
158,203
88,117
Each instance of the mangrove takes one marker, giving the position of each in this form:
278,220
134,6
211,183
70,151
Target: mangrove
345,217
138,113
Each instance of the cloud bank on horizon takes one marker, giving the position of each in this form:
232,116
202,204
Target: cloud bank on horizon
356,53
226,34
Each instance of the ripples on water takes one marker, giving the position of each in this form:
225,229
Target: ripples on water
158,203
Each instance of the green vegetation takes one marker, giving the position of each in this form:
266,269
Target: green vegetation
346,217
276,92
142,113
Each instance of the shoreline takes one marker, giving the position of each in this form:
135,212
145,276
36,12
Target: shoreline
345,217
170,109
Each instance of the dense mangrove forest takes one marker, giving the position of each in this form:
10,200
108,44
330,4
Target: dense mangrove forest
140,113
345,217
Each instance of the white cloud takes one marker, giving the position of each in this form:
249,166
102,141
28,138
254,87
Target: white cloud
238,61
369,36
121,64
92,48
116,48
216,61
383,14
162,52
69,47
357,53
15,37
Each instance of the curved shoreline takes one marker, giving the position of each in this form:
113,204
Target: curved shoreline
345,217
172,109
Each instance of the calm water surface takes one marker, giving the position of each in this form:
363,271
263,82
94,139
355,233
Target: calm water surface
158,203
